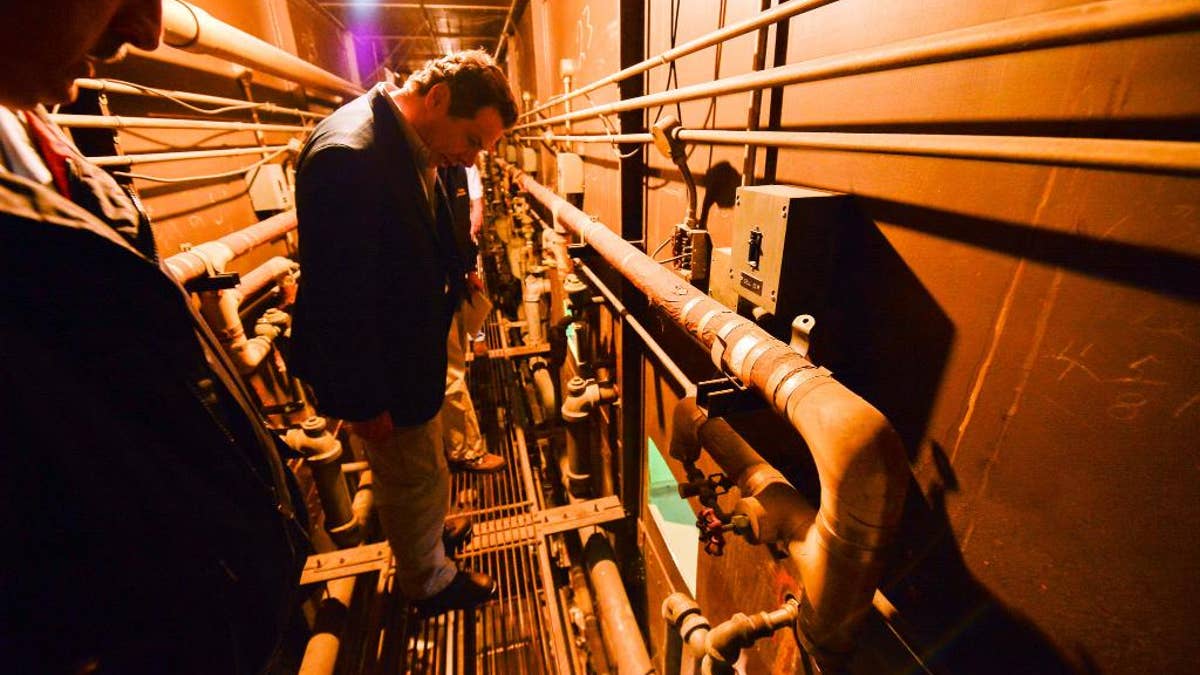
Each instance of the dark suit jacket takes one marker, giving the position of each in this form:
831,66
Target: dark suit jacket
379,276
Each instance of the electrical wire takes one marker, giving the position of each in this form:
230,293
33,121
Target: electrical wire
609,130
212,176
203,111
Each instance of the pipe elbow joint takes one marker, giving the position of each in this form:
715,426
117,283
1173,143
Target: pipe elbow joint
685,430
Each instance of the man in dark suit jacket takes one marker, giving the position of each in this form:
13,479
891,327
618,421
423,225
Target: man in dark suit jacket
381,281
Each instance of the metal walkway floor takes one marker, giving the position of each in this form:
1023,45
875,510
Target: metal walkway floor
522,630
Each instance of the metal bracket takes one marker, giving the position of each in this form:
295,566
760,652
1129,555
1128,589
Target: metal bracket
725,395
345,563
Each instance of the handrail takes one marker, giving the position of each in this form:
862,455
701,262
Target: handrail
1105,153
1092,22
780,13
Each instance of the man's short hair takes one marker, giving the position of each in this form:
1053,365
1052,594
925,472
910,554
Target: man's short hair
475,82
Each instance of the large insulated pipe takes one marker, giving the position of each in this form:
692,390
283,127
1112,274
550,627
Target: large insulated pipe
187,27
214,255
619,625
861,463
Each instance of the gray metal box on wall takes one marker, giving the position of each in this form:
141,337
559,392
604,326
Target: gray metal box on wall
783,244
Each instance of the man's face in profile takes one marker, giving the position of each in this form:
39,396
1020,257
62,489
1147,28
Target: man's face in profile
50,43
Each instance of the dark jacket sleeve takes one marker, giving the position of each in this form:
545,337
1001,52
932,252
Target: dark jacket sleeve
336,337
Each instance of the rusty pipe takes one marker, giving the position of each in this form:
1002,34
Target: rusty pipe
618,624
214,255
860,461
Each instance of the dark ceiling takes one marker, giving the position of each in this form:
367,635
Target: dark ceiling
406,34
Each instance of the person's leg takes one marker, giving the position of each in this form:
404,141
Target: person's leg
460,426
412,494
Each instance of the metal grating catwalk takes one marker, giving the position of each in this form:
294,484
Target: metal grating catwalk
521,631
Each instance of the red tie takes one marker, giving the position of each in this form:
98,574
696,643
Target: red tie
53,148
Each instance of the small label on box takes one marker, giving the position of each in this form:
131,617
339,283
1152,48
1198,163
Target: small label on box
751,284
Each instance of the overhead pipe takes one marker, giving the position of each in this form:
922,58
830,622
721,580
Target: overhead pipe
213,256
1103,153
618,624
155,157
860,461
187,27
760,20
114,87
116,122
1091,22
509,18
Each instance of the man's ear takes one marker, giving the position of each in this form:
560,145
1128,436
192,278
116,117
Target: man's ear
437,99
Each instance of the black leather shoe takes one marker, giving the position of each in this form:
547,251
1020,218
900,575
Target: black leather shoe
456,534
468,590
488,462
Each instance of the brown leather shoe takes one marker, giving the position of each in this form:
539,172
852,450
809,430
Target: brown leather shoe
486,463
456,534
467,590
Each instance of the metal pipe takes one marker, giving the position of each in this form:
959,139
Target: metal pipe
264,275
687,632
619,625
534,288
860,461
780,13
212,256
1091,22
508,24
664,359
187,27
543,383
1104,153
320,656
109,86
586,620
322,452
115,122
582,398
154,157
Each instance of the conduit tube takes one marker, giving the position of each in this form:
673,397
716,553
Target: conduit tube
187,27
115,122
156,157
618,624
212,256
860,461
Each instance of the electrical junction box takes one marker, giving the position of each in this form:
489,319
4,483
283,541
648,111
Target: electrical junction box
570,173
269,190
783,245
720,280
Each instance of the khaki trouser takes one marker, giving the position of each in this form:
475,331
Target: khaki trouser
412,495
460,427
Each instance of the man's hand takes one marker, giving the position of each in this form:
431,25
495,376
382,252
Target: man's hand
376,429
474,281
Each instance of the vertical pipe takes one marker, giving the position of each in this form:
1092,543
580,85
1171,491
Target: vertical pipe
750,158
618,623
